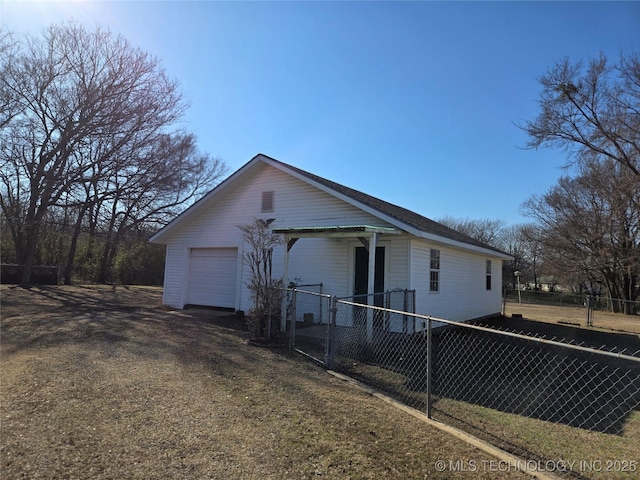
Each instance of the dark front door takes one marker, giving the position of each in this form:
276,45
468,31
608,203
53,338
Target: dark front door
361,281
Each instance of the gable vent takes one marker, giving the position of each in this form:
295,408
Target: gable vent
268,200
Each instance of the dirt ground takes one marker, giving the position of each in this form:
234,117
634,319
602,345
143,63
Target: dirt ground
577,316
105,383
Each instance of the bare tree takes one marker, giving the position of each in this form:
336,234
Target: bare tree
591,227
513,241
531,238
89,129
591,109
484,230
265,290
149,186
8,99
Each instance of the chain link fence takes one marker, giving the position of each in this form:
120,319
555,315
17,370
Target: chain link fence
592,302
547,380
309,315
316,324
476,378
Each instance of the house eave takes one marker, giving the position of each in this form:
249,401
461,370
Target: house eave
399,224
225,185
336,231
465,246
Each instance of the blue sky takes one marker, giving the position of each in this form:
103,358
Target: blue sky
412,102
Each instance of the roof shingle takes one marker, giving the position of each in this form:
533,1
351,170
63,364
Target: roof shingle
404,215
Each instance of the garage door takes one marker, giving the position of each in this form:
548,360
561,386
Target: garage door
212,277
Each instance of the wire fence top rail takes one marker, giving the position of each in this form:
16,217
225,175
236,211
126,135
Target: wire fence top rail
428,318
593,301
476,376
307,292
500,332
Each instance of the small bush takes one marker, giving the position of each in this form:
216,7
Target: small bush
265,291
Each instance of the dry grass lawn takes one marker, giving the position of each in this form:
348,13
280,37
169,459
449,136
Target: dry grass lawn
105,383
576,316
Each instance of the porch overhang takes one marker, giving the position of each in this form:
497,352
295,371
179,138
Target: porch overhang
366,234
292,234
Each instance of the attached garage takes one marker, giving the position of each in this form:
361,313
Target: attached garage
303,205
212,277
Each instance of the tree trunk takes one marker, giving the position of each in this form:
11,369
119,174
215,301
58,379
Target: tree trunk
104,260
27,255
74,246
629,294
106,251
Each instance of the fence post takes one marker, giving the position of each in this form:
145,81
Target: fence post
387,317
321,305
329,347
268,335
405,308
292,328
429,366
589,305
413,301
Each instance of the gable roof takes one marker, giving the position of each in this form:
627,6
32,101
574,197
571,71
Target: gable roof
398,216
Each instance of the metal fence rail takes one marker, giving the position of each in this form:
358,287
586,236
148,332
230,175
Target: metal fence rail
537,378
598,303
453,370
309,315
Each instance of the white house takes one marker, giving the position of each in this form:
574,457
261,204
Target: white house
329,229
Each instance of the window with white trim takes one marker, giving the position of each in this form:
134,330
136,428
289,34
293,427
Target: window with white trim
434,271
268,201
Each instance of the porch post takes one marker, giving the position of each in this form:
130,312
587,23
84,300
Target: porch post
371,285
285,282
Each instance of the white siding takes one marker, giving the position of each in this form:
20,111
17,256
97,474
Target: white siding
296,204
174,275
332,262
316,260
463,294
398,263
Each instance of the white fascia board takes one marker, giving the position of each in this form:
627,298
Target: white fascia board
160,235
393,221
465,246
